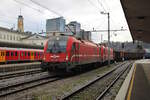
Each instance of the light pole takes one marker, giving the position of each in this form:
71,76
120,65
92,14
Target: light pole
108,14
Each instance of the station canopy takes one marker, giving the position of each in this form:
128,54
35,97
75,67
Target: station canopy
137,13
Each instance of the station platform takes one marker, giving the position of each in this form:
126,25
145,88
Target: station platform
137,83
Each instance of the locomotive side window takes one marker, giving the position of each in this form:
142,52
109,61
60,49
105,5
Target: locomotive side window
100,51
73,47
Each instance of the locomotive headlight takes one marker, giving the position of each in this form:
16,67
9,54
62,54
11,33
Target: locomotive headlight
66,57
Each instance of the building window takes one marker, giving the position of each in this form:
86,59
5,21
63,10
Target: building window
7,37
41,43
14,37
0,36
18,38
4,37
10,37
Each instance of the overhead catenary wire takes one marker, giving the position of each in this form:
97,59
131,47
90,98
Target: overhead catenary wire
38,10
50,10
107,10
94,5
46,8
101,5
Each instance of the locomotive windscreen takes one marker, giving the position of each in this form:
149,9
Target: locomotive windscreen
57,44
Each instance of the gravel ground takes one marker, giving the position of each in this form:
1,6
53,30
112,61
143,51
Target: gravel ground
59,88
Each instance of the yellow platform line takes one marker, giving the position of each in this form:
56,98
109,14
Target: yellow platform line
131,84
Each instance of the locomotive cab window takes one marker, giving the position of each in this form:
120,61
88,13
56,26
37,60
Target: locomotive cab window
57,44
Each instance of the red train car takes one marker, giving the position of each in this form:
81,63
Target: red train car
15,54
68,52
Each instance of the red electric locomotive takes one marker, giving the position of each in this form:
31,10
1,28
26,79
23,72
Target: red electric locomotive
68,52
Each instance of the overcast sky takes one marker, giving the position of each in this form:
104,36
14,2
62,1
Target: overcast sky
87,12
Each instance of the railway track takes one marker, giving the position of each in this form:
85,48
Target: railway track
36,80
20,66
111,84
7,75
76,94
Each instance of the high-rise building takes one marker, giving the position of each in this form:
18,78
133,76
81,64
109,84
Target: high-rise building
55,26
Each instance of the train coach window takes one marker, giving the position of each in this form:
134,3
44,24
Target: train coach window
2,53
38,53
28,53
21,53
31,53
25,54
16,53
11,53
7,53
34,53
